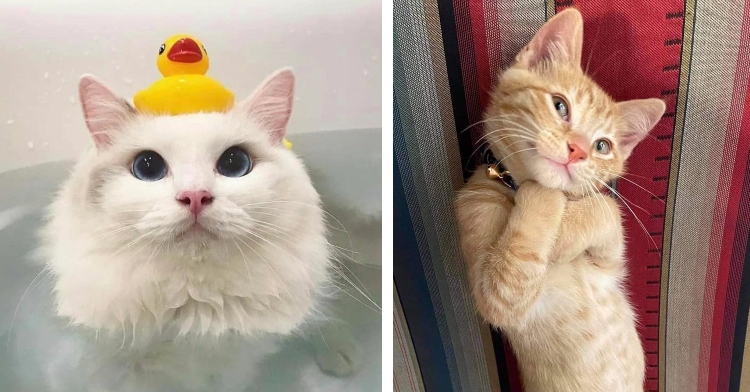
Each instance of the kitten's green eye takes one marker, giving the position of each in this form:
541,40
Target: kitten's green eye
603,146
561,106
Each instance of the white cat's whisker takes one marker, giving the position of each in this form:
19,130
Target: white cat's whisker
278,277
39,276
300,204
360,291
377,309
340,273
244,258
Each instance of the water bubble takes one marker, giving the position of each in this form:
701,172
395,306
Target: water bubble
365,72
31,145
46,75
58,72
9,122
86,53
127,81
117,68
72,99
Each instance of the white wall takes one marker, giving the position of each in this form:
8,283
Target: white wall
333,45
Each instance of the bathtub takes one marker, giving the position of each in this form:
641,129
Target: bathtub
345,167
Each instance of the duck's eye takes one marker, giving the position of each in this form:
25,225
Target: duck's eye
603,146
162,48
234,162
561,106
149,166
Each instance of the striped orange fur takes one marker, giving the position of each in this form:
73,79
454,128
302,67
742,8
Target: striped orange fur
546,263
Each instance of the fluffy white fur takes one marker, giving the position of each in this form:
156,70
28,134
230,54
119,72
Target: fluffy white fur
126,258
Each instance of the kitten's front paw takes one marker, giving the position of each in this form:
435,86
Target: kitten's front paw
338,354
532,194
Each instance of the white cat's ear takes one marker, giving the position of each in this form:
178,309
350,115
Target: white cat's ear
271,103
560,40
640,116
104,112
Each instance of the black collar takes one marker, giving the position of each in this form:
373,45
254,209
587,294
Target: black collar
495,170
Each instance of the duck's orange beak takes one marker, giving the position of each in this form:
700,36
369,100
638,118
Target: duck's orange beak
185,50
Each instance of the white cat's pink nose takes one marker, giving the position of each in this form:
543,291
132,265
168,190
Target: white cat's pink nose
196,201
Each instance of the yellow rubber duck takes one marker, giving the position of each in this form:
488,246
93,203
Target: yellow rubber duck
185,88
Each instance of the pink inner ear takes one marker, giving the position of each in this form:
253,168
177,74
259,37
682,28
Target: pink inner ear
641,116
103,111
271,104
561,38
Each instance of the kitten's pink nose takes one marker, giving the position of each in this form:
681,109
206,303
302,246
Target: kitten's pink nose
196,201
576,153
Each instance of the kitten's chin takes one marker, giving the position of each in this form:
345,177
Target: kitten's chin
552,174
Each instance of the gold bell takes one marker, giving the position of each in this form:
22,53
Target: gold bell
493,172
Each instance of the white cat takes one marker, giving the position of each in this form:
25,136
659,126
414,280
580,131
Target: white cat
180,238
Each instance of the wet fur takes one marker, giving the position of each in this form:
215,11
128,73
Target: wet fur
171,304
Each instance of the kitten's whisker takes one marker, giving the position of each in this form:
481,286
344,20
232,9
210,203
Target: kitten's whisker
480,145
598,195
625,202
519,151
644,189
491,119
531,122
618,175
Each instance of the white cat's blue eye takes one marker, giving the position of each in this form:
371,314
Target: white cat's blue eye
149,166
234,162
561,106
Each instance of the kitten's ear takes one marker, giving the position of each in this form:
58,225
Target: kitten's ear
104,112
271,103
560,40
640,117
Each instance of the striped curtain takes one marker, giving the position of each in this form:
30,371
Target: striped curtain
688,186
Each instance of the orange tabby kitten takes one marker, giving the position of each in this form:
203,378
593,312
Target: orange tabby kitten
546,262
